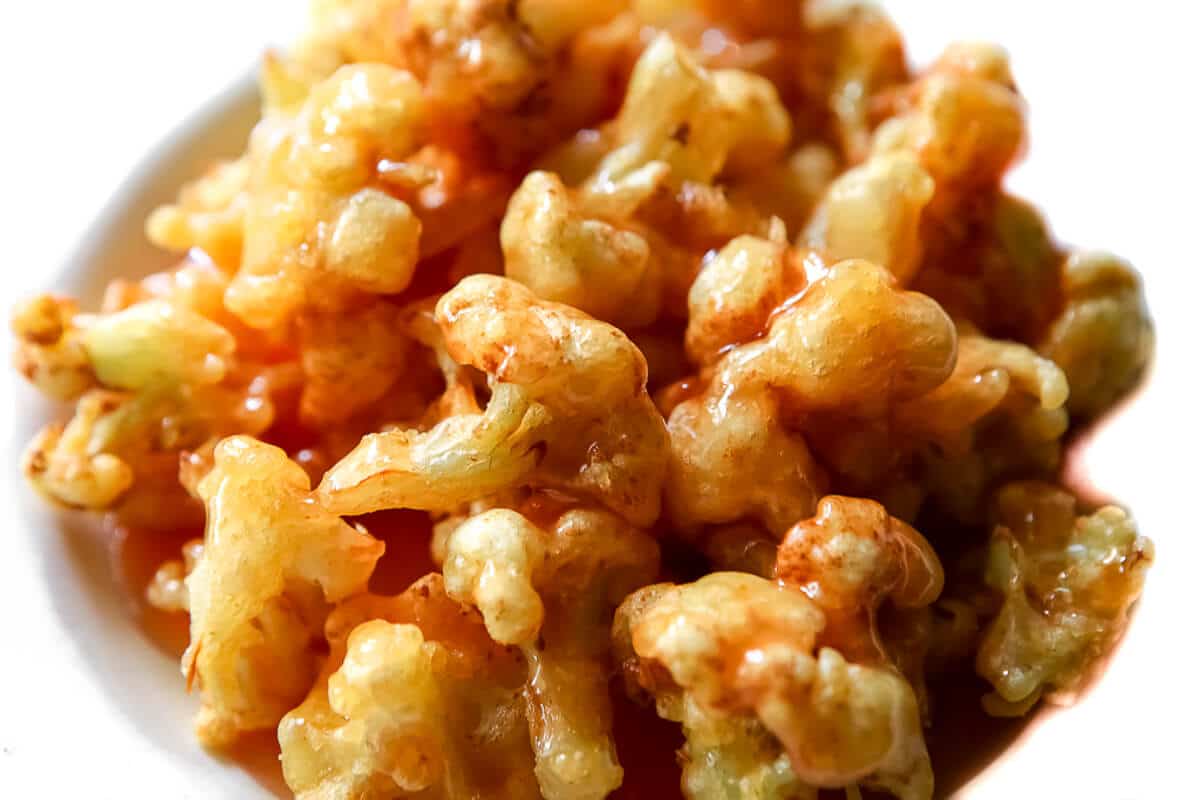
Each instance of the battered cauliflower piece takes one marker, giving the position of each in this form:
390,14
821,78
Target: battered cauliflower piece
210,215
741,646
463,244
463,458
1102,339
167,590
569,410
414,700
349,360
490,562
315,233
868,58
555,249
272,560
164,377
734,294
552,592
50,352
1067,582
851,557
72,464
681,122
732,458
873,212
1000,415
474,52
987,374
729,756
157,345
966,125
853,342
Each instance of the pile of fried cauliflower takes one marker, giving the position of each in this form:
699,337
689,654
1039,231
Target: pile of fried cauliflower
706,336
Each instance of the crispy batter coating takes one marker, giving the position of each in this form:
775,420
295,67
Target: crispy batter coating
849,558
50,351
965,123
66,463
739,645
349,360
272,559
555,249
1067,581
315,233
552,591
210,215
569,410
414,700
852,342
680,122
731,458
490,563
1102,339
168,590
873,212
733,296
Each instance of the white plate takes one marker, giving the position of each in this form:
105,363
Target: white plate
89,708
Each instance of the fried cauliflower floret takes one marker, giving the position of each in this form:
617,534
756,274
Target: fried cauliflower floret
965,127
315,233
873,212
552,591
388,680
988,373
167,590
50,351
568,410
157,345
681,120
165,378
414,699
349,360
210,215
729,756
1000,415
551,246
853,343
464,457
1102,339
866,55
71,464
739,645
474,51
490,562
272,559
759,126
734,294
732,458
851,557
1067,582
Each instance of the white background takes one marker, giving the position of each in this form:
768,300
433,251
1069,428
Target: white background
89,86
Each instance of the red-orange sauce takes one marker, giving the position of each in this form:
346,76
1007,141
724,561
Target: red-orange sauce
136,555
